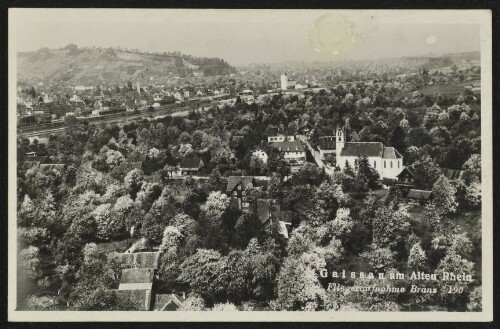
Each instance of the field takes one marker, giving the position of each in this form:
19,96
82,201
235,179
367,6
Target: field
444,90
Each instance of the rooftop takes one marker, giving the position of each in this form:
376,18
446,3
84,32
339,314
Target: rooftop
370,149
245,181
294,146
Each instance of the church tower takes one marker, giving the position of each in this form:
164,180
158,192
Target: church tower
339,139
339,144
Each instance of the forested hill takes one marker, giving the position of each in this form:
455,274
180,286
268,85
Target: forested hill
113,65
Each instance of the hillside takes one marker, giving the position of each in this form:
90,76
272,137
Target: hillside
113,65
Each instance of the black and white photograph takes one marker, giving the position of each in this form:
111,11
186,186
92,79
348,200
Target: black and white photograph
224,163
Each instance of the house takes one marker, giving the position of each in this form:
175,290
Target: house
269,212
387,161
280,135
405,178
137,287
190,165
168,302
236,189
293,152
326,146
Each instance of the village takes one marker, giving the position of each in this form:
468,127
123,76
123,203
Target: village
219,191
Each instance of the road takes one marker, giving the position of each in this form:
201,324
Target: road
317,157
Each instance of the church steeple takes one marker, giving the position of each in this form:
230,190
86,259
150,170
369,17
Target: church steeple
340,137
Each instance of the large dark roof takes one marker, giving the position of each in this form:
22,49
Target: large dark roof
137,275
245,181
191,163
391,153
139,259
369,149
264,209
327,143
140,299
294,146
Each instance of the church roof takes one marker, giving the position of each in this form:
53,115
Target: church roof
391,153
369,149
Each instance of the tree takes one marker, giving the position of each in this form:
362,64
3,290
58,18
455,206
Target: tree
398,139
277,164
444,196
426,173
298,287
257,165
206,274
29,259
379,259
366,175
417,257
216,204
133,181
391,227
171,240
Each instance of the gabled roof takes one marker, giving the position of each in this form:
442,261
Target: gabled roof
139,259
327,143
168,302
419,194
191,163
369,149
405,170
391,153
245,181
287,146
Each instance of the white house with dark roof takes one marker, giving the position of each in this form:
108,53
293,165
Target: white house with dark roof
292,152
386,160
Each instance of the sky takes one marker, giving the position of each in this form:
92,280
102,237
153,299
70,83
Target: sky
251,36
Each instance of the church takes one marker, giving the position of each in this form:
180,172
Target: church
386,160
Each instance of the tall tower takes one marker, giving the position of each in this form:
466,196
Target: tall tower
138,85
284,81
339,145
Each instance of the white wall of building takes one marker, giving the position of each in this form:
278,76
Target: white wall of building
284,82
261,155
